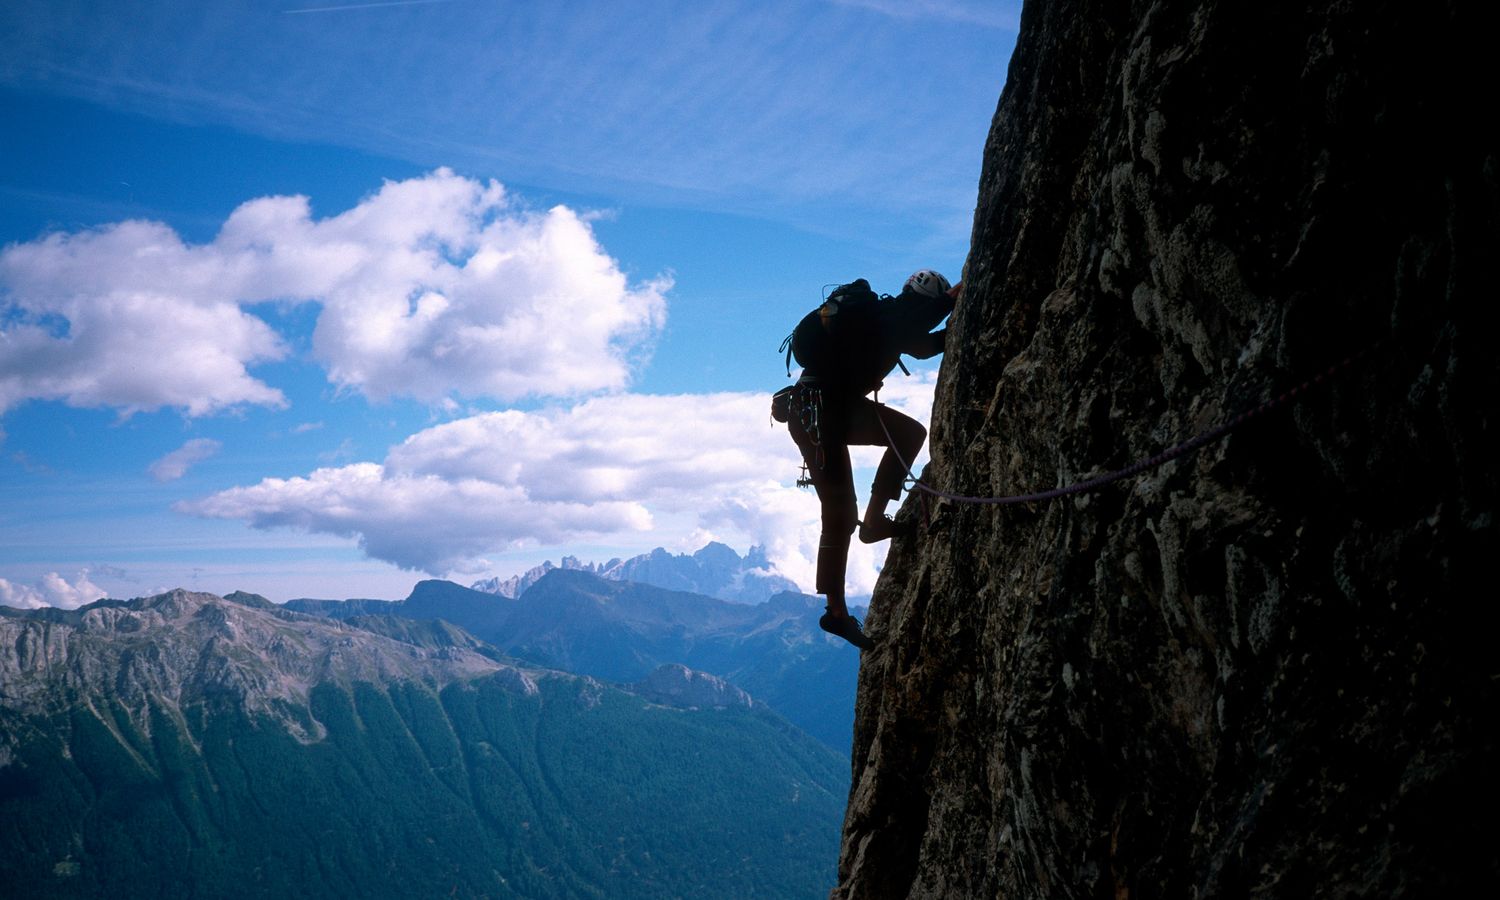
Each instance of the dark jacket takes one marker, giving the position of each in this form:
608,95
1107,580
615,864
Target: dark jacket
902,324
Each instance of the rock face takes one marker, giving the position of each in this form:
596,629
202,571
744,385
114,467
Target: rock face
676,685
1265,669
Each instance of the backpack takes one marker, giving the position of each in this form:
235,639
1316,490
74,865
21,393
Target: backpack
840,335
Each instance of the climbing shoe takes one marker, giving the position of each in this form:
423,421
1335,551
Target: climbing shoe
873,530
846,627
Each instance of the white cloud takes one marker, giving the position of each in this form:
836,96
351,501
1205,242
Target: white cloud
130,317
176,464
612,466
633,470
417,522
51,590
430,287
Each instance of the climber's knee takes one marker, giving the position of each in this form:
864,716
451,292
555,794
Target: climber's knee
910,436
840,519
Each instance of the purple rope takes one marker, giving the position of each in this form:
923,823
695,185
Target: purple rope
1167,455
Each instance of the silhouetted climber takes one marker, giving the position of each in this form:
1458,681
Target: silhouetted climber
846,348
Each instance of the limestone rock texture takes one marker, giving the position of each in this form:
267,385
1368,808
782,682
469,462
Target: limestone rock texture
1267,668
183,649
676,685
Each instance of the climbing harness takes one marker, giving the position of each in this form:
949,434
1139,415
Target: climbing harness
1098,481
805,401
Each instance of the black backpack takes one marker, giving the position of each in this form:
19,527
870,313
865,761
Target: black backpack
839,335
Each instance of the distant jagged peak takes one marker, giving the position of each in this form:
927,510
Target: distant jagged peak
719,553
676,685
714,570
514,586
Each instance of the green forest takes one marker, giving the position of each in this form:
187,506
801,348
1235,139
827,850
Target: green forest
476,790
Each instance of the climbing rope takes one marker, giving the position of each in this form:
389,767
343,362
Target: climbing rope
1098,481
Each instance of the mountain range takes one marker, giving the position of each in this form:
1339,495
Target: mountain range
619,631
716,570
193,745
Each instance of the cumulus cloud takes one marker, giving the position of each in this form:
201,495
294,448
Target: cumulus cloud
51,590
127,316
431,287
611,466
630,469
417,522
176,464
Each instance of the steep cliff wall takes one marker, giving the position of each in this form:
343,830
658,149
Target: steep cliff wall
1268,668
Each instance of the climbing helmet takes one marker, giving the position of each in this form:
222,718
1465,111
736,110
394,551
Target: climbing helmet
927,283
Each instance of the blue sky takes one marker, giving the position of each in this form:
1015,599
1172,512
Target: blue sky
319,299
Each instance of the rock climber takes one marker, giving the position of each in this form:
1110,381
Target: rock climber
846,348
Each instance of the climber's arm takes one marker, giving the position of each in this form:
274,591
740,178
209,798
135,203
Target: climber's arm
926,346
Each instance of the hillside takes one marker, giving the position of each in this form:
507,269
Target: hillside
1263,669
190,745
620,631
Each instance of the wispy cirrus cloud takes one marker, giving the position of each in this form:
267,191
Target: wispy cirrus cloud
347,7
648,103
1004,14
176,464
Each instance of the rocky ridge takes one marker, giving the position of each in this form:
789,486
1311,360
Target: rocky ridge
715,570
183,648
1264,669
676,685
621,631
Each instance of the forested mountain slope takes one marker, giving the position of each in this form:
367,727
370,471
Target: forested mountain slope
620,631
191,745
